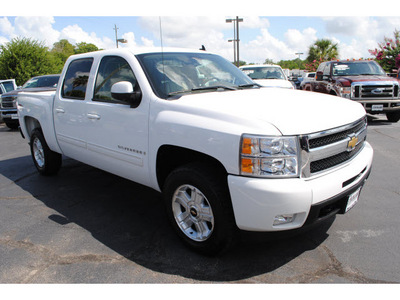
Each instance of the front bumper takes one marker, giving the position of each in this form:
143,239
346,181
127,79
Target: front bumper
9,113
257,201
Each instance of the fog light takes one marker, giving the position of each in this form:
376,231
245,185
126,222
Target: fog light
284,219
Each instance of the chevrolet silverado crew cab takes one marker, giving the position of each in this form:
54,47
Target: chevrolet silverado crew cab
363,81
227,154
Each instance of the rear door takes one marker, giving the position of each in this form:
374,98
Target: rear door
69,111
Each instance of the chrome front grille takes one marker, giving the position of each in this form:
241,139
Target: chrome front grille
7,102
328,149
372,90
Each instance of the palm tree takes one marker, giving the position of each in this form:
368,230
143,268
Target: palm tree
322,50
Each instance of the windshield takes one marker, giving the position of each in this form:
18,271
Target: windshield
45,81
178,73
357,68
264,72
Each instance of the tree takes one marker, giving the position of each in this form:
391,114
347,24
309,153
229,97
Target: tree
85,47
61,51
292,64
23,58
388,55
268,61
322,49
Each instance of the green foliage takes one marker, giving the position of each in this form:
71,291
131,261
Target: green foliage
85,47
388,54
313,66
24,58
322,49
61,51
293,64
269,61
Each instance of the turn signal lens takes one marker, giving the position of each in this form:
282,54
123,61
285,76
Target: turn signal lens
246,146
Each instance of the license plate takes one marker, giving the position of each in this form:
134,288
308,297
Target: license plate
353,198
377,107
14,116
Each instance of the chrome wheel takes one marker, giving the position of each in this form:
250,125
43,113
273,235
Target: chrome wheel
38,153
193,213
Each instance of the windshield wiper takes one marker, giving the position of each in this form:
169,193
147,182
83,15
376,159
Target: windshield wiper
203,88
214,87
249,85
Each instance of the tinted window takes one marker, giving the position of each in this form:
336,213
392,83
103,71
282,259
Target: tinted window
48,81
76,79
321,67
45,81
112,69
327,70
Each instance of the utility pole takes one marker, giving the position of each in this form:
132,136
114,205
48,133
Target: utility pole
235,37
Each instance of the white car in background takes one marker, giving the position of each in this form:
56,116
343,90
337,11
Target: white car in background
268,75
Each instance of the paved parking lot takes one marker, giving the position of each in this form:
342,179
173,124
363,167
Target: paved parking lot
87,226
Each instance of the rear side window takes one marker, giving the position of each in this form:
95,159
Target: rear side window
76,79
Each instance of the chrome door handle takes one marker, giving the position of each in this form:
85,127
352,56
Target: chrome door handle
93,116
60,110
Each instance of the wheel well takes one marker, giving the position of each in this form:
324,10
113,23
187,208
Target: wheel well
31,124
170,157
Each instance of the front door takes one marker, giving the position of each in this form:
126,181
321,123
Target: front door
117,135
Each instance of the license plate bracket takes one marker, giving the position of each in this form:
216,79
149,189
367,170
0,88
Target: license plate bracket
377,107
353,199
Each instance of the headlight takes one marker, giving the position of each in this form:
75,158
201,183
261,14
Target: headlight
345,92
262,156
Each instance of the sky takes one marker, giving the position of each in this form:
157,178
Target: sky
269,31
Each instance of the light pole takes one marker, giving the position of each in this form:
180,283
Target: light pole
299,53
236,36
117,40
234,50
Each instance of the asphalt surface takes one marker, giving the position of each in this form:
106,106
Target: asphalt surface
88,226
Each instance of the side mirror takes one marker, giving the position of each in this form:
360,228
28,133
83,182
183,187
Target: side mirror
123,91
319,76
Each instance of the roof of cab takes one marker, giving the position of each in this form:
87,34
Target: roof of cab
137,51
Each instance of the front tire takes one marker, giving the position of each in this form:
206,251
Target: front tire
393,116
46,161
199,208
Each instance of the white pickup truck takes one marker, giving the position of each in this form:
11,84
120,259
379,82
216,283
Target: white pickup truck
227,154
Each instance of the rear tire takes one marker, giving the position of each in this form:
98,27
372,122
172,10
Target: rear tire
46,161
199,208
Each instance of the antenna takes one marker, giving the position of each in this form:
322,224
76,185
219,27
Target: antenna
162,56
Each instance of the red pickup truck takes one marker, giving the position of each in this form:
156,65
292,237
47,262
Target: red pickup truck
361,80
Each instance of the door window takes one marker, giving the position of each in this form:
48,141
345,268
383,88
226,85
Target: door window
112,69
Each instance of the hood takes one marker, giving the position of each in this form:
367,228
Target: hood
292,112
37,89
362,78
274,83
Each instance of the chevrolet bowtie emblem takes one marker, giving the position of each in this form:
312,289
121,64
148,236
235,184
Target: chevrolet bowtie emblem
352,143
